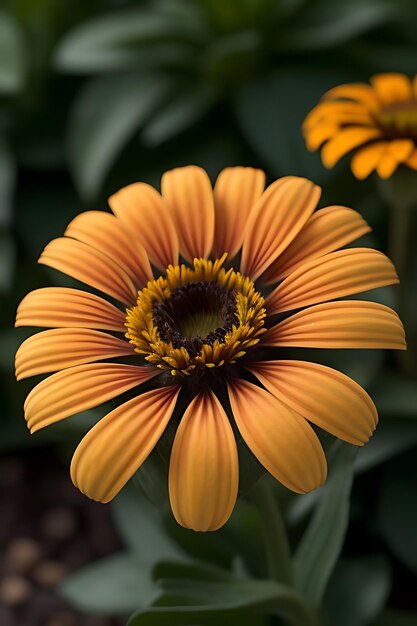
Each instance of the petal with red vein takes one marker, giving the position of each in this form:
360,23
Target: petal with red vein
277,217
235,192
106,233
188,193
80,388
342,324
115,448
59,348
204,468
63,307
322,395
332,276
90,266
280,438
327,230
141,208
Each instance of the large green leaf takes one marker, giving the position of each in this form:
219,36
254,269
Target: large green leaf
107,113
204,602
115,41
271,112
321,544
12,55
327,23
140,527
184,109
113,585
358,590
397,511
390,439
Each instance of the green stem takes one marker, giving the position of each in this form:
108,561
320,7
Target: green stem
277,547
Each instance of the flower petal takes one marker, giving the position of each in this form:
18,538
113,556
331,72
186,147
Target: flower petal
391,87
358,92
90,266
275,220
327,229
315,136
188,193
141,208
235,192
115,448
322,395
346,140
343,324
281,439
387,166
80,388
108,234
365,160
63,307
412,160
59,348
329,110
204,468
332,276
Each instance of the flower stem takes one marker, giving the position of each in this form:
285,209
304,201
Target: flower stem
277,547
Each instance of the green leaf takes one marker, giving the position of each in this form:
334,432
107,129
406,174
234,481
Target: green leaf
390,439
141,528
7,182
322,542
271,111
395,395
358,590
328,24
107,113
207,601
397,510
182,111
113,585
11,55
116,41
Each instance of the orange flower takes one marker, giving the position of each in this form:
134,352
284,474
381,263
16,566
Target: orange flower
379,121
205,329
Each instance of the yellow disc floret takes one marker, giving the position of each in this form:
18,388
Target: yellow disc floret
195,318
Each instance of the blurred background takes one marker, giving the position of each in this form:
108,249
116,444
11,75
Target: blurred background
95,95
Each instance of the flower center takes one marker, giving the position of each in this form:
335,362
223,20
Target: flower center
399,119
195,318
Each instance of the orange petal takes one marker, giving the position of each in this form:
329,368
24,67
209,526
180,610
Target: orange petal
235,192
392,87
320,133
322,395
115,448
387,166
365,160
80,388
59,348
332,276
142,210
90,266
358,92
344,324
327,229
414,86
63,307
204,469
275,220
188,193
108,234
327,111
345,141
280,438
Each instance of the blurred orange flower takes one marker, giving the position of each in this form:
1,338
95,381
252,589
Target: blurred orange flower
205,329
379,121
